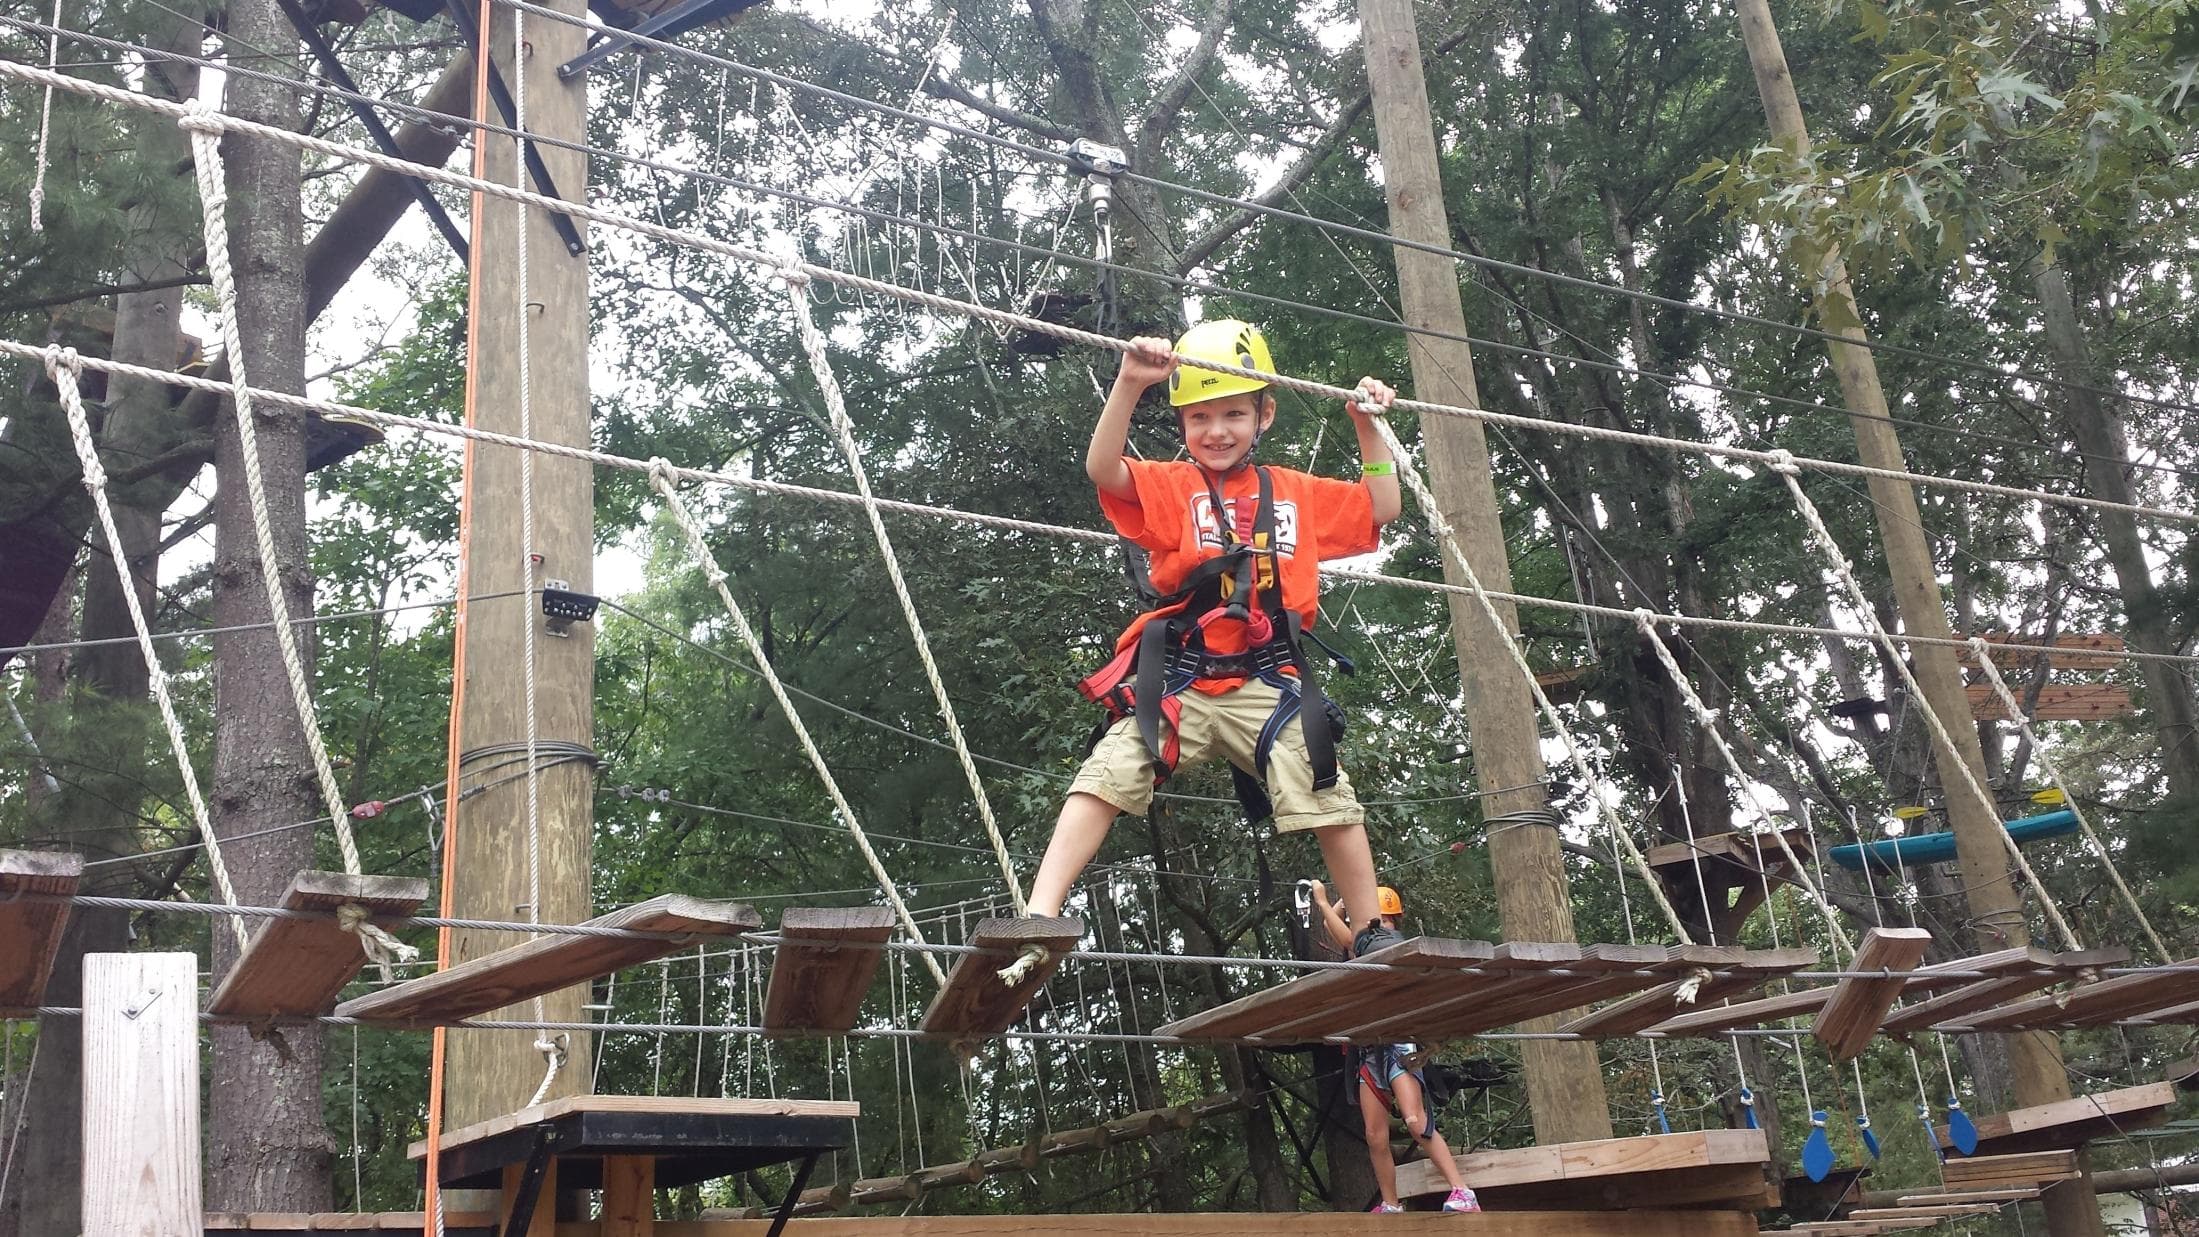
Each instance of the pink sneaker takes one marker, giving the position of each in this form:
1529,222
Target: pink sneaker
1462,1199
1384,1209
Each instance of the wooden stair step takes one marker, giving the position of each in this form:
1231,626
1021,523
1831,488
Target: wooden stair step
548,963
1851,1016
298,967
823,966
975,1001
31,928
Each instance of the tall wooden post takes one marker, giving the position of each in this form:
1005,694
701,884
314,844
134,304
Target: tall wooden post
2035,1060
1564,1083
490,1073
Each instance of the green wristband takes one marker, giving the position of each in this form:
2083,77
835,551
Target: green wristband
1379,468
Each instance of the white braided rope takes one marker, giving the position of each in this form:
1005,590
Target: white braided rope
843,428
1708,717
1440,525
61,364
1002,317
664,479
2069,799
207,165
781,489
1949,754
45,125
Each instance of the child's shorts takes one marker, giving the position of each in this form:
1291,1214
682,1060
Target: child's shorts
1120,770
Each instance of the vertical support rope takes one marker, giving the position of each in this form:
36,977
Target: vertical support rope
843,429
1440,525
45,125
2069,799
665,481
1790,472
61,364
205,133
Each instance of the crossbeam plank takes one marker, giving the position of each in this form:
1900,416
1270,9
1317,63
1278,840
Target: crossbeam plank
1632,968
1986,1172
1253,1011
2042,970
548,963
31,928
1850,1017
975,1001
2071,1123
2124,996
1748,969
297,967
643,1105
1933,1198
1949,1211
1747,1013
823,966
1512,970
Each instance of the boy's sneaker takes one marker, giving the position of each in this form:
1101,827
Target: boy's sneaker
1462,1199
1374,936
1384,1209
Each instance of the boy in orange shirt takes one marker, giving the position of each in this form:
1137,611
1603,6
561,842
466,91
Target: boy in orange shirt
1215,669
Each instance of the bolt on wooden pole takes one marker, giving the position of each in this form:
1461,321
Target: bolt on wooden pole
141,1095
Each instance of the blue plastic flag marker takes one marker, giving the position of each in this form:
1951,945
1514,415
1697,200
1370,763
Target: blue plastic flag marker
1962,1133
1868,1135
1748,1108
1657,1100
1817,1153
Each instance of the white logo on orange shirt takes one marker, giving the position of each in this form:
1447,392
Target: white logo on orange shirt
1210,533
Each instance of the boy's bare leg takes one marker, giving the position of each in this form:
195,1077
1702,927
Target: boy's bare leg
1350,862
1412,1104
1085,820
1374,1117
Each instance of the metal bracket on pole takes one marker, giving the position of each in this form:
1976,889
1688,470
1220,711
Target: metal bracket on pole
679,18
537,170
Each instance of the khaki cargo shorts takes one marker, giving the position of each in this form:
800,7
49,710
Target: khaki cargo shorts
1121,771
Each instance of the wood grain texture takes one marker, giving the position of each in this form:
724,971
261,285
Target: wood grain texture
549,963
1985,1172
2071,1123
30,931
668,1105
141,1095
1745,970
297,967
1328,990
629,1196
1699,1168
975,1001
1850,1017
2124,996
824,964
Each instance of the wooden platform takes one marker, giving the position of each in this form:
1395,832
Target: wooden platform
2023,1170
297,967
1744,971
548,963
691,1139
30,930
2069,1124
975,1001
1714,1169
1732,869
1449,988
297,1224
1642,1223
823,965
2012,973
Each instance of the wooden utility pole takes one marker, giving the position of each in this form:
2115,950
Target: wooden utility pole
490,1073
1564,1083
2035,1060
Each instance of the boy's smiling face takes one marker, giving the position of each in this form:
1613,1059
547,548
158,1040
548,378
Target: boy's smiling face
1220,432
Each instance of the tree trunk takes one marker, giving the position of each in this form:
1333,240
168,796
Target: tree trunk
268,1147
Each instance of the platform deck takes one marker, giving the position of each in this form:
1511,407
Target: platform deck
30,929
975,1000
823,966
691,1139
1700,1168
1991,1172
2068,1124
548,963
296,1224
1233,1224
2027,970
298,967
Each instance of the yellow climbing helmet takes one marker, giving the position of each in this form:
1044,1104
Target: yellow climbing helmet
1228,341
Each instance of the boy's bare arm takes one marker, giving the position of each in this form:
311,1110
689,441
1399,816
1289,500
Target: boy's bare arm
1373,452
1148,361
1332,919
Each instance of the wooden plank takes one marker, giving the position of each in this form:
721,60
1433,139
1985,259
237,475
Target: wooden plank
1749,969
1699,1168
2025,970
1627,964
296,967
2067,702
1422,1000
1993,1171
1317,1010
2074,651
1929,1198
975,1001
1849,1020
2071,1123
141,1095
30,929
668,1105
1750,851
823,966
2124,996
1555,1223
548,963
1258,1008
1952,1211
1747,1013
629,1196
347,1221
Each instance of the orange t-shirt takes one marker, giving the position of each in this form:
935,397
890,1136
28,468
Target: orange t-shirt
1172,519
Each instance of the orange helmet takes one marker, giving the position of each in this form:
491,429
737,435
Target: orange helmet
1386,902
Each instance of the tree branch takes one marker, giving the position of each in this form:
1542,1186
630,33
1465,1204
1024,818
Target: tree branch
104,289
1160,115
936,84
1316,153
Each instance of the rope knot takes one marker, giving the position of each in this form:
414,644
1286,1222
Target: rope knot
792,276
201,116
662,474
1033,957
379,946
1690,987
1781,461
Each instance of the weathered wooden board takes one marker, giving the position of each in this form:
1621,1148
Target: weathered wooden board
31,928
1747,969
1342,989
2064,702
1950,1211
297,967
664,1105
1319,1007
141,1095
2110,1000
1701,1168
2072,651
824,963
411,1223
1987,1172
1555,1223
1929,1198
1602,972
1850,1018
1746,1013
548,963
975,1001
2027,970
2071,1123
